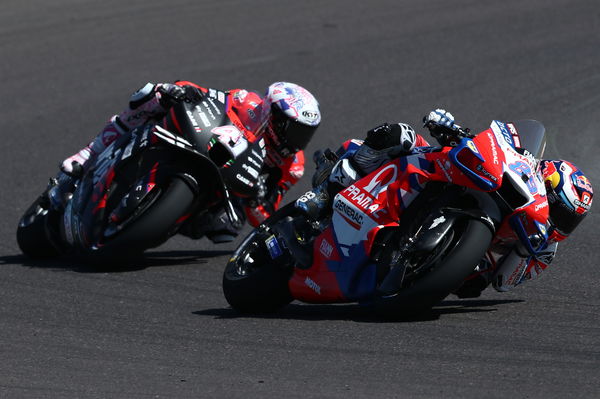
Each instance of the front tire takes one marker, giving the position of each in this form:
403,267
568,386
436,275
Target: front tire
153,224
435,285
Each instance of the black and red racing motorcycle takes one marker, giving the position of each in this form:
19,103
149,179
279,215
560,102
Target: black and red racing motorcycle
139,191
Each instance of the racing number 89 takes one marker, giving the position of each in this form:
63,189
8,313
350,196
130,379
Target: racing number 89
521,168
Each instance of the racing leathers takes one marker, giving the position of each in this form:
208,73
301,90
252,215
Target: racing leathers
504,268
150,104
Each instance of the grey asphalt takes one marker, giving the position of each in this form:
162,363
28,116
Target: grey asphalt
163,328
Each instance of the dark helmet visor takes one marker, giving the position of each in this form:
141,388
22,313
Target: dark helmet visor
563,217
298,135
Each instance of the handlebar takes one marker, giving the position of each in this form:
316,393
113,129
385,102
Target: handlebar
448,136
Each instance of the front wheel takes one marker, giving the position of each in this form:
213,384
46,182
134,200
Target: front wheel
152,222
453,263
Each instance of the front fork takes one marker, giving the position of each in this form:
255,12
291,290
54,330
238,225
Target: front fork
60,190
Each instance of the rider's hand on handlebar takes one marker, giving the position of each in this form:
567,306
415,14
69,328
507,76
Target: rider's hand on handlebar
170,94
439,117
442,127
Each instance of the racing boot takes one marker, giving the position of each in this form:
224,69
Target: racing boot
476,282
76,164
215,225
73,165
472,287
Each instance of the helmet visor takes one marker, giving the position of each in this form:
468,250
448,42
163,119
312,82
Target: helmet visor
298,135
291,135
563,217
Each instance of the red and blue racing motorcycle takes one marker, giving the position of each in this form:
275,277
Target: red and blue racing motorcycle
405,236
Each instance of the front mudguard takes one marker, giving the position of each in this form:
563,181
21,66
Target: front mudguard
439,224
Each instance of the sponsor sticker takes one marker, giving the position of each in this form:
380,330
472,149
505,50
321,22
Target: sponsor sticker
505,133
312,285
349,212
244,180
326,248
273,247
191,116
582,204
310,115
472,146
361,198
494,150
487,174
204,119
515,135
541,205
253,172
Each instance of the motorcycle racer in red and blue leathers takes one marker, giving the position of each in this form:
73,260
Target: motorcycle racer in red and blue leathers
569,195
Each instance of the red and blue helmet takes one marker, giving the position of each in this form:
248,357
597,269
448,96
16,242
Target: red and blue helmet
569,195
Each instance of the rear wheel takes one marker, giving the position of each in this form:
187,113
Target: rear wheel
254,282
34,231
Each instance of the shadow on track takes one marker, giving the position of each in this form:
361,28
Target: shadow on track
83,265
360,313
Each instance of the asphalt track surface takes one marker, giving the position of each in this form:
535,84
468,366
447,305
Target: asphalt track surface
163,328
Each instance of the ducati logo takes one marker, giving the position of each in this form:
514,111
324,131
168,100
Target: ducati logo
376,185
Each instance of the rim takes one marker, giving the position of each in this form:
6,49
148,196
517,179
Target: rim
248,259
32,214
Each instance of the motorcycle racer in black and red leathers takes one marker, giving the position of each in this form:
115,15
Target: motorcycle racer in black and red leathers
286,117
569,195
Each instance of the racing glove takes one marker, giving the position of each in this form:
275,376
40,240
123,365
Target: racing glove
170,94
324,161
443,128
439,117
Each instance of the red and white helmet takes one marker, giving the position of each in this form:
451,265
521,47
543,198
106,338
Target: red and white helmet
569,195
293,118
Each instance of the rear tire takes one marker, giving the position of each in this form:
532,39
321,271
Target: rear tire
261,288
